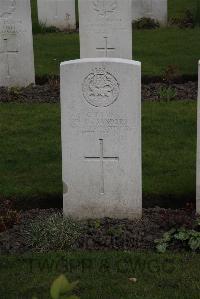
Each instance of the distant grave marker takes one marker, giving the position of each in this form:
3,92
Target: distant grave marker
16,44
105,28
58,13
154,9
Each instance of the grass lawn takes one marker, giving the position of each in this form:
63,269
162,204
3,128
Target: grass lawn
156,49
103,275
177,8
30,153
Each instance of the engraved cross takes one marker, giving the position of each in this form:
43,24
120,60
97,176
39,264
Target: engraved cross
106,49
102,159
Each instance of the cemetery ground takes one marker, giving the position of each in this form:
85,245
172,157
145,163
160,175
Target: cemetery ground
103,275
31,153
30,171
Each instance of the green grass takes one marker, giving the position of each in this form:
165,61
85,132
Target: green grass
30,153
156,49
53,48
169,152
35,25
103,275
177,8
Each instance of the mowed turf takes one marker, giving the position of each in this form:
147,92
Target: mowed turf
177,8
156,49
30,153
103,275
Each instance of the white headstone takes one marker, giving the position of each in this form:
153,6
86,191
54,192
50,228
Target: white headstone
16,43
105,28
57,13
198,148
101,138
154,9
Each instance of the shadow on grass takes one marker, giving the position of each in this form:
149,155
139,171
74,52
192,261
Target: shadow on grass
56,201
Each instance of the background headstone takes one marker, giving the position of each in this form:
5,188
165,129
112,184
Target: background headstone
105,28
16,43
58,13
154,9
101,138
198,148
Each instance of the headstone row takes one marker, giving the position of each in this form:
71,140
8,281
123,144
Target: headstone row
58,13
154,9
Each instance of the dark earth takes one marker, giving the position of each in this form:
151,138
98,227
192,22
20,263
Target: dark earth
50,92
106,234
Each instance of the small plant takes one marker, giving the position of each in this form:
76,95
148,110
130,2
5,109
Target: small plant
8,216
54,83
185,237
14,92
167,93
96,224
171,73
177,219
116,231
43,28
61,288
146,23
187,21
53,233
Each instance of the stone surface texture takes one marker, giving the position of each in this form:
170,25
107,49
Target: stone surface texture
101,138
154,9
58,13
16,44
198,148
105,28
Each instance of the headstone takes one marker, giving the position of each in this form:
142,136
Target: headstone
198,149
16,43
101,138
105,28
58,13
154,9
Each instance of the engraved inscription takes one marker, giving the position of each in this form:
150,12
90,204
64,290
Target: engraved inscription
147,7
9,45
7,7
100,88
101,158
100,122
9,41
104,7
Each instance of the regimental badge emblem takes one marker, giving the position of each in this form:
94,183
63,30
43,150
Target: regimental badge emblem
100,88
104,7
7,7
